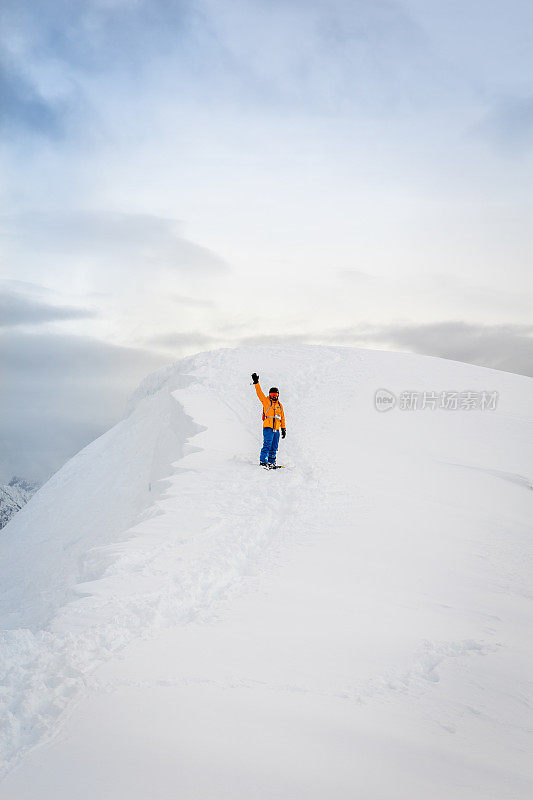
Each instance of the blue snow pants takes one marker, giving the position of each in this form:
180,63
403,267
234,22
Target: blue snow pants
270,446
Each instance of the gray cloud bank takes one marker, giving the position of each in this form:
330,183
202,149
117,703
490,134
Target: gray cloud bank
58,393
505,347
18,309
108,240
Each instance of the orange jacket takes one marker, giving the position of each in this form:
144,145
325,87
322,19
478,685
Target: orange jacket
273,415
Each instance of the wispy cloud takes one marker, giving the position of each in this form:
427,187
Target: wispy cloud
18,309
95,35
508,125
121,242
24,108
327,56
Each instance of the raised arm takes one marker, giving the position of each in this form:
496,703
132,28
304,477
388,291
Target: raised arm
261,395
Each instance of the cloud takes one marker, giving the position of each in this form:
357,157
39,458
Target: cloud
116,243
58,393
26,288
17,309
179,340
98,36
24,108
328,55
508,126
505,347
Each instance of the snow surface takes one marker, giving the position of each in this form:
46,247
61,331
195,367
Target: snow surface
182,624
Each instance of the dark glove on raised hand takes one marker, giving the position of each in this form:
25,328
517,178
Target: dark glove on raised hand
283,433
255,377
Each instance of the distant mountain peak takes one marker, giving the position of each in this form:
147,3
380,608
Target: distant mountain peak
22,483
13,496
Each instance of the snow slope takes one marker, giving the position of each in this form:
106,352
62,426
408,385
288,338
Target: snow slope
180,623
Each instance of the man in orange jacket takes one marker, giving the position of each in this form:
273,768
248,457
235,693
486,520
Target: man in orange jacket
273,423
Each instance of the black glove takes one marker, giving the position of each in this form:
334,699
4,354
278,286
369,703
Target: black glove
255,377
283,433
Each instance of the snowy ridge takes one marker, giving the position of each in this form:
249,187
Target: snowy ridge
387,572
120,597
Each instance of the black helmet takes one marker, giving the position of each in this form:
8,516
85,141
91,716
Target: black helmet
273,390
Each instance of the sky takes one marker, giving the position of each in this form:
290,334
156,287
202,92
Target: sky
180,176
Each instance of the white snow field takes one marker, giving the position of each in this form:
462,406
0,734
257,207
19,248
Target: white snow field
181,624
